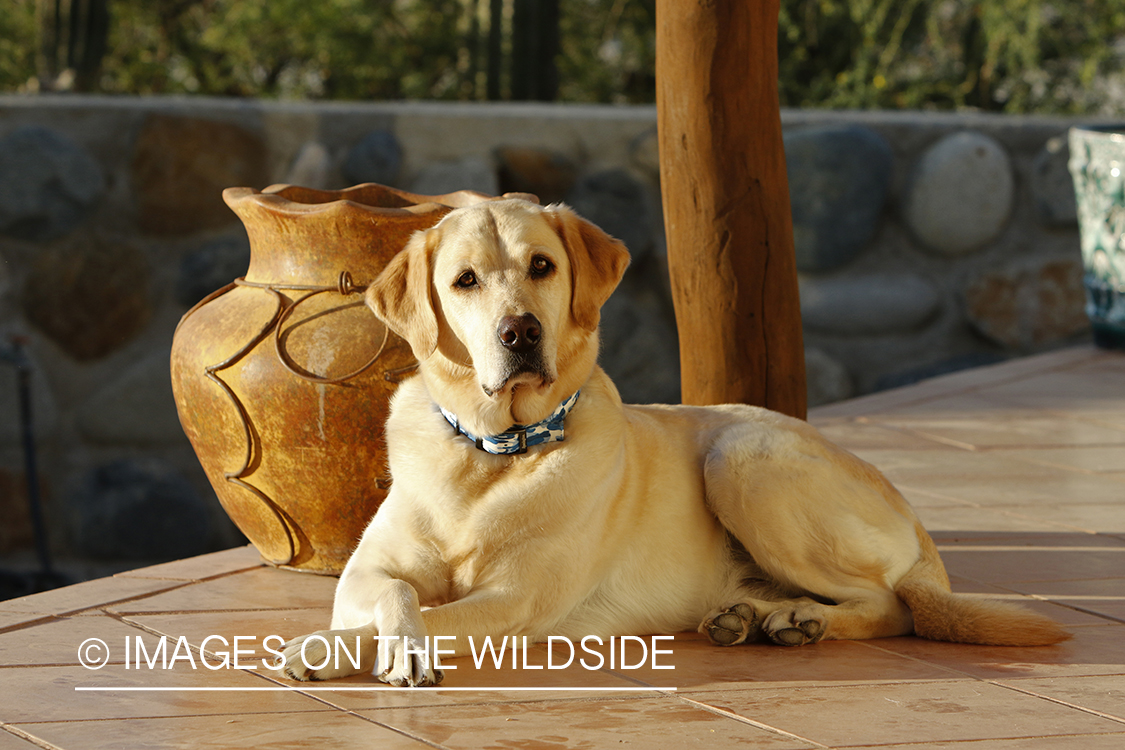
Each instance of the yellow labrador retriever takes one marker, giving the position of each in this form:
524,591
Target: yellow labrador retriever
528,500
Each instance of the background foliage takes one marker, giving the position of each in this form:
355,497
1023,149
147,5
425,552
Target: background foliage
1064,56
17,43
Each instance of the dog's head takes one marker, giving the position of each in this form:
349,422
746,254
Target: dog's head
500,303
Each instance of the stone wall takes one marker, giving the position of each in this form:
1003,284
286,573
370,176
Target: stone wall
926,242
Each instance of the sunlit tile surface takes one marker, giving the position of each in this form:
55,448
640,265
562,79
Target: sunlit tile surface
1017,469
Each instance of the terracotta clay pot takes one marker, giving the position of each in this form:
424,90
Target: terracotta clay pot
282,378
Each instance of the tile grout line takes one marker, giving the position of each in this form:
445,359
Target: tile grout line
968,744
873,422
99,606
940,440
169,717
136,572
1041,463
1059,701
341,709
934,494
718,711
39,620
396,730
963,390
997,683
1048,447
1060,603
53,664
745,720
350,712
1000,509
336,709
24,735
1046,522
165,612
125,575
902,424
1085,417
327,705
952,670
130,575
935,390
154,632
44,619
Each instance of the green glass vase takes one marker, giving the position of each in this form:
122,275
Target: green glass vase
1097,164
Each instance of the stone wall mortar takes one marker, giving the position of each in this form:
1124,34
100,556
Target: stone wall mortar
596,156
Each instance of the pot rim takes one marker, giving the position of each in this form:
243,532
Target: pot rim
295,200
1113,131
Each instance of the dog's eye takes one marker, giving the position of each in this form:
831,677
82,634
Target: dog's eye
466,280
540,267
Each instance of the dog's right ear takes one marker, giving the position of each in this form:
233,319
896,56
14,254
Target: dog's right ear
597,263
400,296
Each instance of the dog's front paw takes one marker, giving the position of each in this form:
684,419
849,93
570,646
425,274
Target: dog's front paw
309,658
795,624
405,662
297,656
730,626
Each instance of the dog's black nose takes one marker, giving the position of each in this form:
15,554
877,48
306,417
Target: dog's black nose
519,333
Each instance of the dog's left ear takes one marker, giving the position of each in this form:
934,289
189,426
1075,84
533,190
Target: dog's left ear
400,295
597,263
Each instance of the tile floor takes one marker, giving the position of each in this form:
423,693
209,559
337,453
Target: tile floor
1017,469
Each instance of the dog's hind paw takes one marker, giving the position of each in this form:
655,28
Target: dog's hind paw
730,626
796,625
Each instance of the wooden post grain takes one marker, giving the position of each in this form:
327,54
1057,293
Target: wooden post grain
726,204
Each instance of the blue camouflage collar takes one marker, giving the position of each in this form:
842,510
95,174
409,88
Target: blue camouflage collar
518,438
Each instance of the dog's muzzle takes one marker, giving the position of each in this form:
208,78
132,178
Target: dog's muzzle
521,337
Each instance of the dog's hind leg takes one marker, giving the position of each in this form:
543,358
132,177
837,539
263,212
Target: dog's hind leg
827,531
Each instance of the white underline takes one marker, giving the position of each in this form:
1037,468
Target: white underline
302,689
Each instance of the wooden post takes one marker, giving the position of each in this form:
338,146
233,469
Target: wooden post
726,204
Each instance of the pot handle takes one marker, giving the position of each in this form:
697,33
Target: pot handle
345,287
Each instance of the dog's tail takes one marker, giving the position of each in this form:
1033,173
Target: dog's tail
944,616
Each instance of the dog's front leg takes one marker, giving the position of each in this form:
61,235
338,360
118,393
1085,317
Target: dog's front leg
328,654
404,655
400,657
481,613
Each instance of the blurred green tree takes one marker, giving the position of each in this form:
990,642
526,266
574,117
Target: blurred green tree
17,44
608,51
334,49
1063,56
